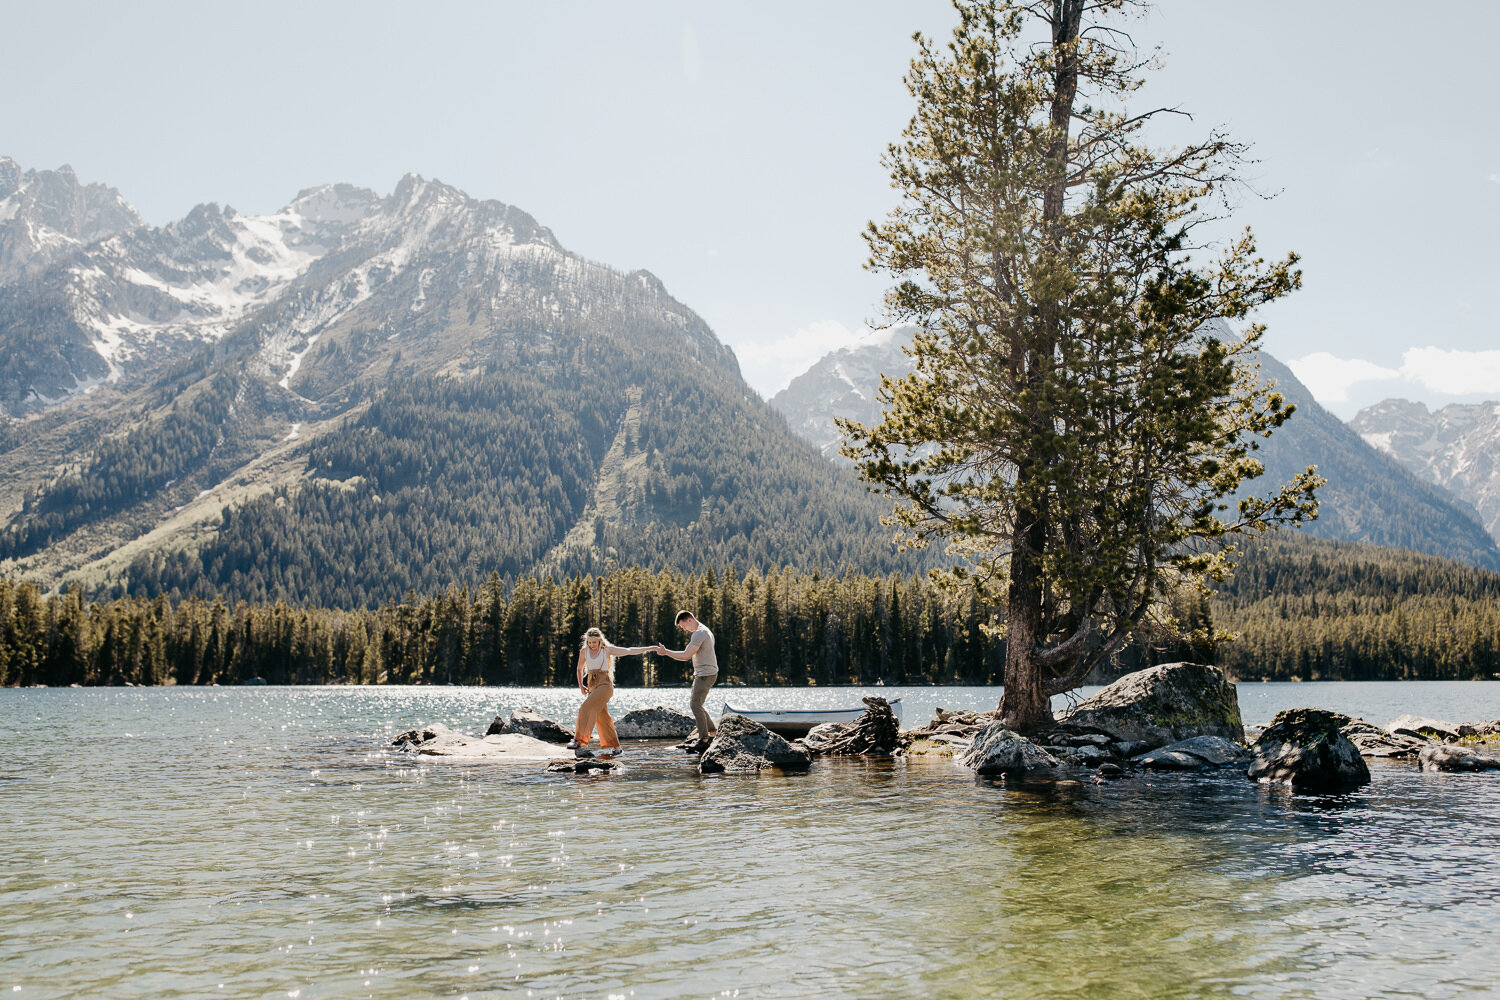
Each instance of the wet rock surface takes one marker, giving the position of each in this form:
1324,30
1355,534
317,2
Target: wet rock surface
1306,750
743,746
585,766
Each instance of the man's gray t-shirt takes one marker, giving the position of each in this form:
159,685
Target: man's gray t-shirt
704,660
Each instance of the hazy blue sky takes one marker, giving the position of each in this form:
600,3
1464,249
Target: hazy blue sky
734,150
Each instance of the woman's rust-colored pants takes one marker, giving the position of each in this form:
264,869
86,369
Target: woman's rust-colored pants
595,711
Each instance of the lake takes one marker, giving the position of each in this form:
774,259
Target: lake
266,842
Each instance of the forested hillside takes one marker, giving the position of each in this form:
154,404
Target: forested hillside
443,481
1310,609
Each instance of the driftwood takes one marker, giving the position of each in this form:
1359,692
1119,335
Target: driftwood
875,732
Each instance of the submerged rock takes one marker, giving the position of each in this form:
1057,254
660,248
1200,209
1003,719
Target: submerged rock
582,766
1449,757
998,750
1161,705
1201,753
659,723
1305,749
744,746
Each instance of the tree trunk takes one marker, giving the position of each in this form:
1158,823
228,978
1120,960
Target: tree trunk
1026,706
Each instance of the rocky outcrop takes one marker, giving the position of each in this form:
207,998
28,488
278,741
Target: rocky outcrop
528,722
1161,705
1372,741
659,723
1201,753
1449,757
947,730
744,746
1424,729
1305,749
998,750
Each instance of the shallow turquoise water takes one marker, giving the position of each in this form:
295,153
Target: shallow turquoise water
262,842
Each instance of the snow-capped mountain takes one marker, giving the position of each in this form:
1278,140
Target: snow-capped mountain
844,383
1456,447
360,395
46,214
131,303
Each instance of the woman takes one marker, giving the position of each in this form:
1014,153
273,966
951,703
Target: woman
596,679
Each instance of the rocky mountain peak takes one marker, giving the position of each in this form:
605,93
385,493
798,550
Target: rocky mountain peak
46,214
1456,447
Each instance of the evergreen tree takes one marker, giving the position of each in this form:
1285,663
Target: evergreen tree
1071,428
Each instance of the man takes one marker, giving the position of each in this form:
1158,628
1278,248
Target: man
700,649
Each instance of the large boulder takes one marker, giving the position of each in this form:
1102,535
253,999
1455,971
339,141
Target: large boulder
1161,705
1448,757
659,723
1306,749
744,746
997,750
1201,753
528,722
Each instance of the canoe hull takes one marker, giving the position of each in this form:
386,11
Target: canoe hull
801,723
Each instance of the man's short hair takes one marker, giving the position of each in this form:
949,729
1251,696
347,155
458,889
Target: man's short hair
683,614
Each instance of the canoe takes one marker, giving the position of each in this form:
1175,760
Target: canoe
800,723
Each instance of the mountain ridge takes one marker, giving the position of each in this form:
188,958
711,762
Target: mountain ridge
205,445
1369,498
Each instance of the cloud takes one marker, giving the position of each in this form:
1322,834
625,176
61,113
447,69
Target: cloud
1432,375
1453,373
768,367
1330,378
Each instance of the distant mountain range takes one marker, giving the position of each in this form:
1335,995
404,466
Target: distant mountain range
1456,447
1371,497
361,396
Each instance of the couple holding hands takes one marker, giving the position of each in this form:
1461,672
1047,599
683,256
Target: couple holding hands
596,679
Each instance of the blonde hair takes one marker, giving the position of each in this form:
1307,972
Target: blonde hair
595,633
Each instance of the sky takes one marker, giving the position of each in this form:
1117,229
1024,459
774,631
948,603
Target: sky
734,150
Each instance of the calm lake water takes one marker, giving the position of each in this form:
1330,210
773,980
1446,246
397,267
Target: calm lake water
265,842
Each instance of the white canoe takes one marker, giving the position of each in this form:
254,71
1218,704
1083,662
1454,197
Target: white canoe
800,723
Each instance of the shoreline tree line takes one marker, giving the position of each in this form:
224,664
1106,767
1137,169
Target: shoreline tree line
1303,610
